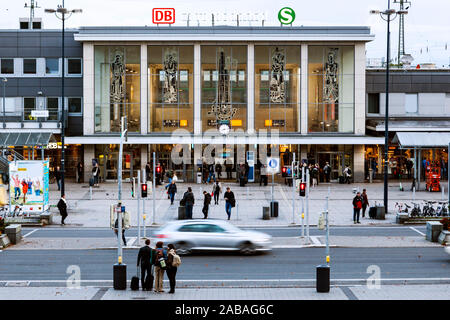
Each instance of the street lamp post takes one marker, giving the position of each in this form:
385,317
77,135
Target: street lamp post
387,15
64,14
4,80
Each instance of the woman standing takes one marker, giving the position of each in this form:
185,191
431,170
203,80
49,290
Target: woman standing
173,261
230,201
161,255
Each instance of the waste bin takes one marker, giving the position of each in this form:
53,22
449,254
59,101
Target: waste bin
266,213
274,209
434,229
181,213
120,277
199,177
323,278
380,213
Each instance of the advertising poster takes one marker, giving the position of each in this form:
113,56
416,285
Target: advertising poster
29,186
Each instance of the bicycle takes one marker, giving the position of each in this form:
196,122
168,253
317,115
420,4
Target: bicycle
399,207
442,210
416,211
428,209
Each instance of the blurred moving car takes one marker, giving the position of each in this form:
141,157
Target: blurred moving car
210,234
447,249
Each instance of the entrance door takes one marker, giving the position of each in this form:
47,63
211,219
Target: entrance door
336,161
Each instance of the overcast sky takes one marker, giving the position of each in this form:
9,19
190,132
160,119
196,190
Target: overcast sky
427,24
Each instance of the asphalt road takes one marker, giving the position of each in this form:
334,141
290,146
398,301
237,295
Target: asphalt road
289,264
64,232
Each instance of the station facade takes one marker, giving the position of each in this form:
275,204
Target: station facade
304,85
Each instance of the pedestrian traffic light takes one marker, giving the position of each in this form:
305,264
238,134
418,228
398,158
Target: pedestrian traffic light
158,170
284,172
144,190
302,189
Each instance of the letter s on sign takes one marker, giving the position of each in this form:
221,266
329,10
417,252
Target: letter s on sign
286,15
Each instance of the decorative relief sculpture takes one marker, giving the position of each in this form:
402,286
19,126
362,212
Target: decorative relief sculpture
277,83
331,85
222,108
117,93
170,76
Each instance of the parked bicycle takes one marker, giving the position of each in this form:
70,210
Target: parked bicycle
416,211
428,209
442,209
401,207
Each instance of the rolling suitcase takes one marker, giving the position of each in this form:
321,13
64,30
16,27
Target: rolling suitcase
372,212
135,281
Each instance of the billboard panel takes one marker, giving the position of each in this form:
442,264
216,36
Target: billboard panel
29,186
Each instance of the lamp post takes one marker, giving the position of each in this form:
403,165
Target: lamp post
387,15
64,14
4,80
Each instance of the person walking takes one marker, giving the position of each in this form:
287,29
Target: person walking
219,170
327,172
62,207
347,174
365,203
116,230
171,191
58,177
357,205
206,202
229,169
95,173
148,171
173,261
80,171
144,260
211,173
217,190
160,266
315,176
230,201
188,200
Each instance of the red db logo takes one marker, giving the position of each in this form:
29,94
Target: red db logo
163,15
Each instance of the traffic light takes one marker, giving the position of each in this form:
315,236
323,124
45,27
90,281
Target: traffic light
144,190
302,189
284,172
158,170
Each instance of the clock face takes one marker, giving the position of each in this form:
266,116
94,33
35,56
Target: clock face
224,129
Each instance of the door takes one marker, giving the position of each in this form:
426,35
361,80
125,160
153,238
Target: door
337,165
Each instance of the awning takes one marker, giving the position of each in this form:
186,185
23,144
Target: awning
25,139
422,139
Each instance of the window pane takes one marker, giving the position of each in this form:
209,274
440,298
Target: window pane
51,66
29,66
411,103
373,103
7,66
74,66
52,107
29,104
74,105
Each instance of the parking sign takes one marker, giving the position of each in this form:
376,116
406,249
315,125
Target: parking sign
163,15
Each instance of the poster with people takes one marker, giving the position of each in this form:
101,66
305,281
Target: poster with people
29,186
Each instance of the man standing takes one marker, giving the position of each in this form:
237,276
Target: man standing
217,189
365,203
230,201
80,171
116,230
327,171
171,191
188,200
229,168
357,205
144,259
206,202
58,177
62,207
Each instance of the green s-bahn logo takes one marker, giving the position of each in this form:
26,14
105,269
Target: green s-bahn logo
286,15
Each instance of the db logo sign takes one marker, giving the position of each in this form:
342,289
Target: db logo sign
163,15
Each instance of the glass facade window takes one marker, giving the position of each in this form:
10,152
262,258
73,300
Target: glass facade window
331,88
117,87
373,102
73,66
7,66
277,87
171,88
74,105
53,108
29,104
29,66
51,65
224,86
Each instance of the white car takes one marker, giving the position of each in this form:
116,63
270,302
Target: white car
210,234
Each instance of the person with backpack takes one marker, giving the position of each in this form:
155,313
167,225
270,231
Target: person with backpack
357,205
315,176
327,172
171,191
365,203
217,189
145,260
230,201
188,201
206,202
160,266
62,207
173,262
211,173
347,174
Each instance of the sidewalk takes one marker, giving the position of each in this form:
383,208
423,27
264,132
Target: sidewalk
248,212
385,292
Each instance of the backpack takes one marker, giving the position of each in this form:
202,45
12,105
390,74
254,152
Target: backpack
161,260
176,262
